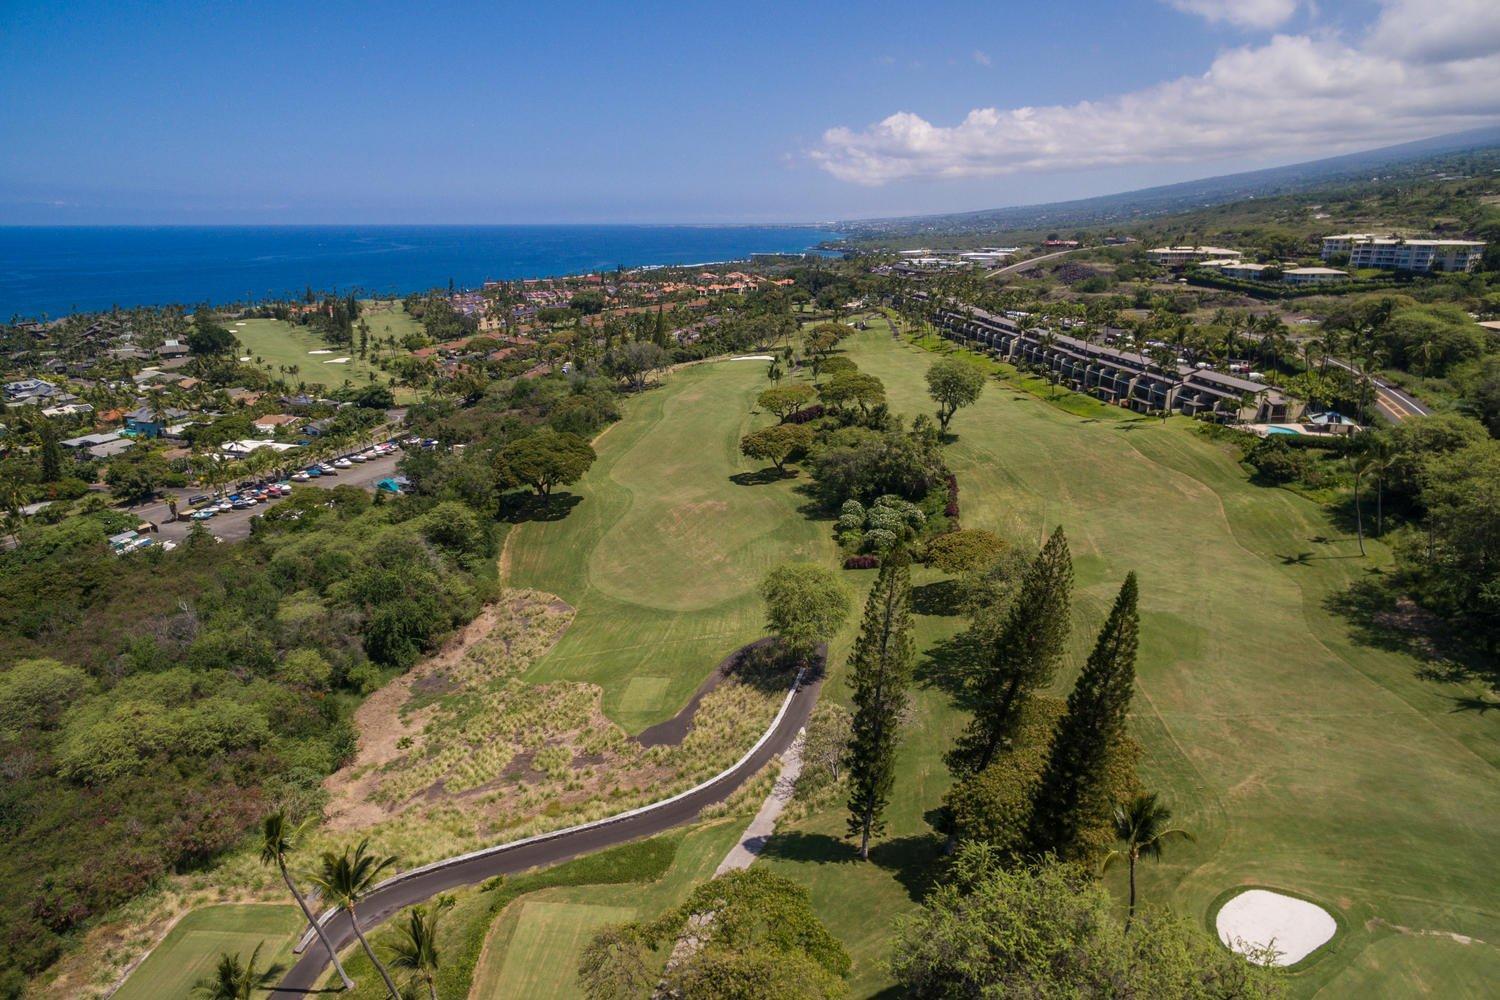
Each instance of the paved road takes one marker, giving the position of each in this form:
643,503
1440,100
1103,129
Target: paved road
309,970
1394,404
235,525
1030,262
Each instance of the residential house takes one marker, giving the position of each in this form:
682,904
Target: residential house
1313,275
147,421
272,422
1183,256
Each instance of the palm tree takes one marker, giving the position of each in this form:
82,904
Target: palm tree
1359,465
1141,826
276,843
345,879
416,949
231,980
1380,456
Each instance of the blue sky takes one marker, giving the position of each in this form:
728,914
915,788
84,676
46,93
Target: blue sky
562,112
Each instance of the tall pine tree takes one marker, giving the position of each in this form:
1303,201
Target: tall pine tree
1075,794
880,670
1021,658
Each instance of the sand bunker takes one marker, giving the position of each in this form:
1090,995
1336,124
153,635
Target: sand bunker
1257,918
321,351
337,361
245,358
754,357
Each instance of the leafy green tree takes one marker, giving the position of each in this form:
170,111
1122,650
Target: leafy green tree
968,551
1076,795
415,949
1141,828
785,400
777,444
52,454
1047,931
753,935
953,384
880,671
864,391
1020,658
345,879
276,842
806,604
637,361
544,460
232,979
135,476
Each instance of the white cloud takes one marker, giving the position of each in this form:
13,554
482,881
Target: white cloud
982,58
1258,14
1417,72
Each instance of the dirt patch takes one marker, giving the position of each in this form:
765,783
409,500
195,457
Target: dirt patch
388,731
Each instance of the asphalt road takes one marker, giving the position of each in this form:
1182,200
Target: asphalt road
381,905
1393,404
1030,262
235,525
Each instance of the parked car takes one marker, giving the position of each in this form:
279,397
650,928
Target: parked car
300,477
343,463
358,457
199,500
328,470
313,471
204,514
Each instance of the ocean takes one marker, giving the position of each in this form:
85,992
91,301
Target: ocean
58,270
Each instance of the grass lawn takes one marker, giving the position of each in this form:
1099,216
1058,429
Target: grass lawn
1299,757
277,343
535,944
192,948
662,553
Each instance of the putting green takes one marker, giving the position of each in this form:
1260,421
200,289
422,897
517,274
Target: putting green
664,549
1297,756
191,949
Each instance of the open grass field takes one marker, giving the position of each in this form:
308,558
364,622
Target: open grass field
1299,757
277,343
534,946
662,553
192,948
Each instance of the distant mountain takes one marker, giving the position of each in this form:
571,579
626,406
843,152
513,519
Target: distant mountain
1131,206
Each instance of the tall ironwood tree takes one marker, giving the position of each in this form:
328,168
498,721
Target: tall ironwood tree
880,670
1075,793
1021,657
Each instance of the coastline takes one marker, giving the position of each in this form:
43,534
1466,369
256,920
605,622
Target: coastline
53,271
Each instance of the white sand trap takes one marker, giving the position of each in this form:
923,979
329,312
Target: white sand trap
754,357
337,361
321,351
1256,918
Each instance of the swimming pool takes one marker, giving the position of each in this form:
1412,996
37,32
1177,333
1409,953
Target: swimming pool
1282,430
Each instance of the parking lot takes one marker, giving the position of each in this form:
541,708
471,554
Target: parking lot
234,525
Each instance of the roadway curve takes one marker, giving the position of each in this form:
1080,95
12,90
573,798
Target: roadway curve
421,884
1030,262
1393,404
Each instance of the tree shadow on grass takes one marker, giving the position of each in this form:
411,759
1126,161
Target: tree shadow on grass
762,477
914,861
942,598
947,665
517,508
1382,617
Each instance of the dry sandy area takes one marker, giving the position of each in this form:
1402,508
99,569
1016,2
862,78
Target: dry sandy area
1258,918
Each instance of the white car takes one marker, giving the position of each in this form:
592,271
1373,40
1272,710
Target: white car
358,457
300,477
343,463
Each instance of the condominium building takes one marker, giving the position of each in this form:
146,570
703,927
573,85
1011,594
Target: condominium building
1393,253
1313,275
1182,256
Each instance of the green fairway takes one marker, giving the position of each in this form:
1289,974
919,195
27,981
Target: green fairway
280,345
192,948
662,554
1299,758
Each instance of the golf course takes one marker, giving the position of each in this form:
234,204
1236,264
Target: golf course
1300,759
